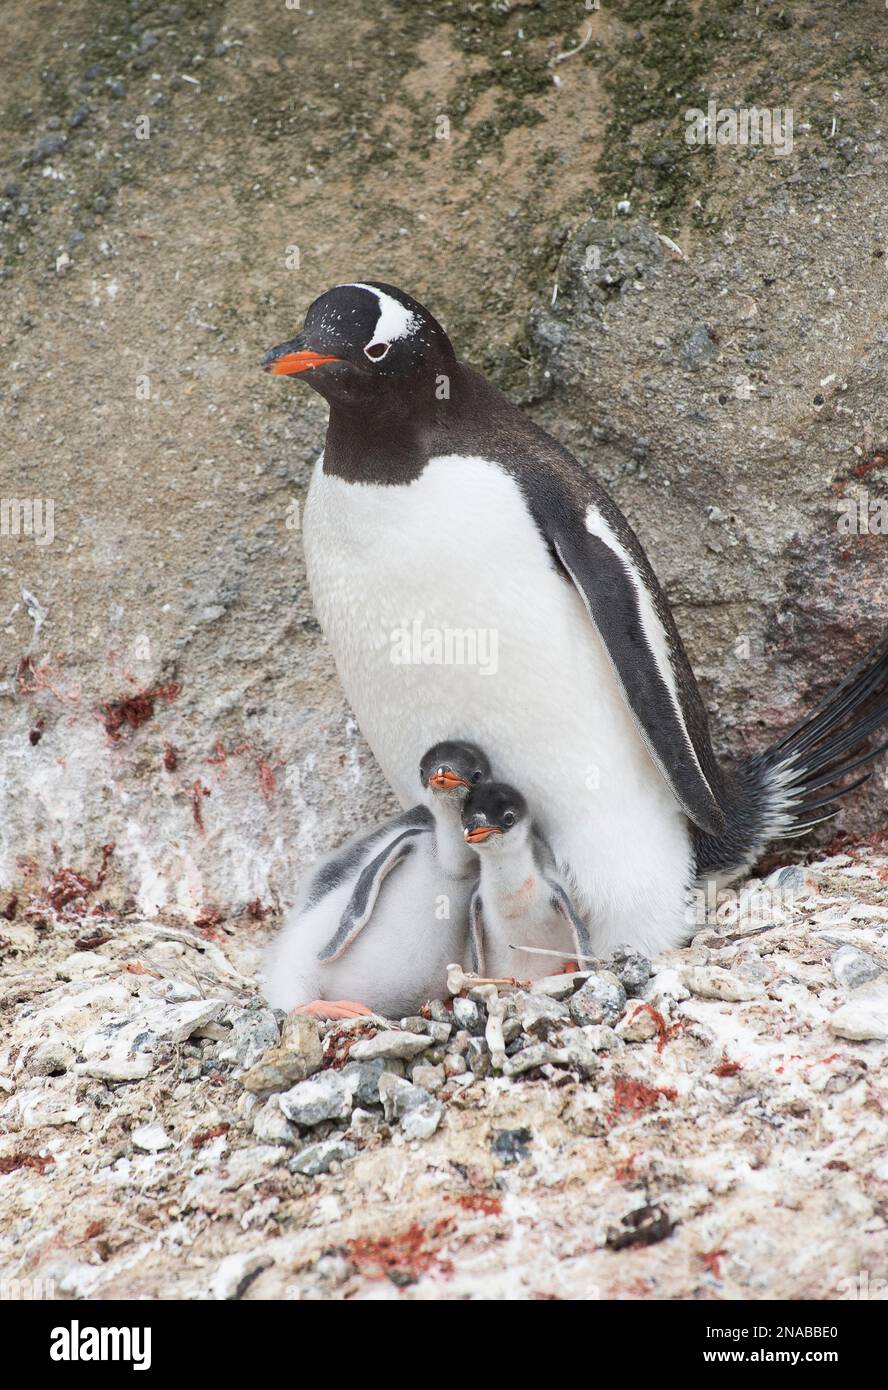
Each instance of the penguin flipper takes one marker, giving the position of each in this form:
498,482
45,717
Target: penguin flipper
606,565
476,932
562,904
359,908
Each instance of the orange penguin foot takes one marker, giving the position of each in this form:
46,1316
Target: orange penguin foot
333,1008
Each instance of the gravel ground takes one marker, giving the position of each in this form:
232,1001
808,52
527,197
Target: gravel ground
709,1125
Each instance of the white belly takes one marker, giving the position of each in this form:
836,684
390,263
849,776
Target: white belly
456,551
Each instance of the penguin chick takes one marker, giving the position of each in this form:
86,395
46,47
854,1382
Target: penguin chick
520,900
382,918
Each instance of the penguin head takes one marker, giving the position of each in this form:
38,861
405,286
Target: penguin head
493,814
364,343
451,769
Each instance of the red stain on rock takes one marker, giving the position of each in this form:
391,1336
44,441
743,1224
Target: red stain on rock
135,710
727,1067
197,794
402,1258
10,909
635,1097
69,886
484,1202
170,757
205,1135
12,1162
267,780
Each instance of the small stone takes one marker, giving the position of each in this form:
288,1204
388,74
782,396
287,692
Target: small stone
666,988
253,1032
328,1096
468,1016
454,1063
597,1036
298,1056
364,1123
853,967
512,1145
235,1274
478,1057
865,1017
50,145
422,1121
602,999
559,986
52,1058
430,1078
540,1013
438,1011
399,1096
631,968
118,90
151,1139
148,41
317,1158
711,982
637,1025
271,1126
435,1030
390,1044
364,1077
537,1055
698,351
78,117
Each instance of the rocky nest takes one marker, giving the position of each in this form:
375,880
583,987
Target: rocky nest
710,1124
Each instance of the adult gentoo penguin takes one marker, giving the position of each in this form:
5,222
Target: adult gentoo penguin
438,508
377,923
520,900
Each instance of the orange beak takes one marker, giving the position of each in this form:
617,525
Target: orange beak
444,780
479,833
293,362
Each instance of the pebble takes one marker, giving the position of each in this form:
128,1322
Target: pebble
559,986
511,1145
468,1015
540,1013
601,999
422,1121
478,1054
631,968
390,1044
364,1123
666,988
52,1058
399,1096
865,1017
430,1078
253,1032
698,351
298,1056
537,1055
317,1158
271,1126
637,1025
853,967
235,1273
151,1139
364,1078
712,982
328,1096
436,1030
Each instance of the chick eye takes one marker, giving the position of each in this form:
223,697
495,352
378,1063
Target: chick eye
476,776
376,351
509,818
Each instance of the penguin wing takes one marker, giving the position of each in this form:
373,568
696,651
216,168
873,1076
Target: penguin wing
359,908
347,860
565,908
476,932
607,566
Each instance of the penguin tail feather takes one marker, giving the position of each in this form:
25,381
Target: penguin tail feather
805,771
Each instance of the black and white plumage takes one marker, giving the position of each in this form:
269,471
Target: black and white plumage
438,507
521,900
379,921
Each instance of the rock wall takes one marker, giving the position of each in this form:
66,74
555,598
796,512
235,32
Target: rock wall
707,326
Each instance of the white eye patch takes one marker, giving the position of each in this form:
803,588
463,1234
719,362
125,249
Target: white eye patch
395,319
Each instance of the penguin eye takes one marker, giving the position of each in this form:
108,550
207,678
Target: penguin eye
476,776
376,351
509,818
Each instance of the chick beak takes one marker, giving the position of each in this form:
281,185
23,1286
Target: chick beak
477,831
445,780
